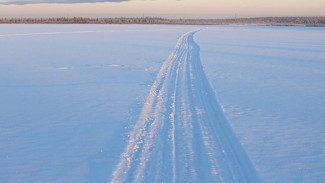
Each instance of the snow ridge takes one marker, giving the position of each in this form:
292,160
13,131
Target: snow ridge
182,134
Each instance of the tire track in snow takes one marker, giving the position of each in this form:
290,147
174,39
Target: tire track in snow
182,134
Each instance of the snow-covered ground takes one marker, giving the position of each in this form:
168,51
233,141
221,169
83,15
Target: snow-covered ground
113,103
271,84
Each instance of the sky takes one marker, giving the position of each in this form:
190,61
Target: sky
161,8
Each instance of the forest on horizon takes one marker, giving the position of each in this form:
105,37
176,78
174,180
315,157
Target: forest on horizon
280,21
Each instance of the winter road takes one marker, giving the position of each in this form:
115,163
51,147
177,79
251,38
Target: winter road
182,134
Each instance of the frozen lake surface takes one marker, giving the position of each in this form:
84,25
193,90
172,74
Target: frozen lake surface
153,103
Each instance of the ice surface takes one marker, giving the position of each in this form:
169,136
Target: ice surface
71,94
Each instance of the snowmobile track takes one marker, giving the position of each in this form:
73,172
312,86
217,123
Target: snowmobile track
182,134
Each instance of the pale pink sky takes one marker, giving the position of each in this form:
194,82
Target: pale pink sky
165,8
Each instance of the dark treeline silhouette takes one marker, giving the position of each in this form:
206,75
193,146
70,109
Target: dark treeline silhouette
287,21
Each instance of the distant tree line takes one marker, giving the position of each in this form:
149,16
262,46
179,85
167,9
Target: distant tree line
289,21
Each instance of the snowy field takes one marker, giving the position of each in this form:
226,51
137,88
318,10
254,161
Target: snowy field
159,103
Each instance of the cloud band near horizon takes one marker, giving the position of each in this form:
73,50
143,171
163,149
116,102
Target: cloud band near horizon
22,2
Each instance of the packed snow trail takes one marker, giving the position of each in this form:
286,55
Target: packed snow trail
182,134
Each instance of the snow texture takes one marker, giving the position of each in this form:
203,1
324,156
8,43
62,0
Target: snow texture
105,103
